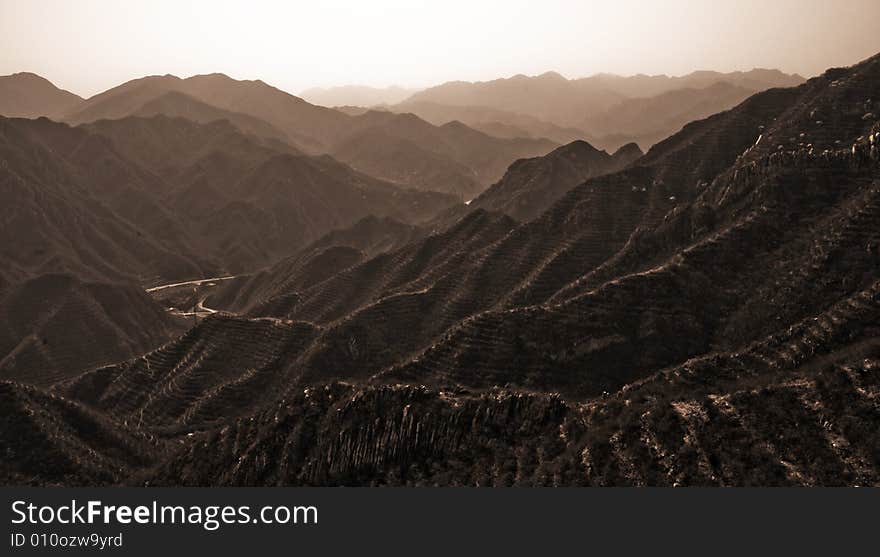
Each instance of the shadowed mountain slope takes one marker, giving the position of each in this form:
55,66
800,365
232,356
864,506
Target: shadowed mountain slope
234,365
372,235
55,326
252,200
49,440
530,186
65,326
406,149
324,258
72,204
725,420
293,200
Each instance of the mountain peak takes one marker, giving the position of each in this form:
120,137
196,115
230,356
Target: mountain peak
28,75
576,147
627,154
28,95
552,75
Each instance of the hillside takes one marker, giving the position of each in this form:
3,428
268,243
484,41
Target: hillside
530,186
252,201
407,150
74,205
156,199
53,441
55,326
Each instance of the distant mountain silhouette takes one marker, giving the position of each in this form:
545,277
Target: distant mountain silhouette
27,95
405,150
642,85
499,123
356,95
576,99
606,110
549,97
304,123
176,104
648,120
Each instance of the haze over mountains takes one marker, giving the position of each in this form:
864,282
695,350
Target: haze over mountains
704,313
356,95
608,110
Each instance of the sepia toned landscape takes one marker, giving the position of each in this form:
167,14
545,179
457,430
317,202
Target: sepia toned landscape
522,280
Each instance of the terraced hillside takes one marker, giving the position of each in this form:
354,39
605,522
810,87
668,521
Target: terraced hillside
211,373
54,327
752,417
331,254
48,440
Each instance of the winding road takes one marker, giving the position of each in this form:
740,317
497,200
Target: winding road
200,308
196,282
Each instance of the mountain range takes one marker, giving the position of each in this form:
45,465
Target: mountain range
412,152
704,313
606,110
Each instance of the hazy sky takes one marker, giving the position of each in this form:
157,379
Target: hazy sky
87,46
